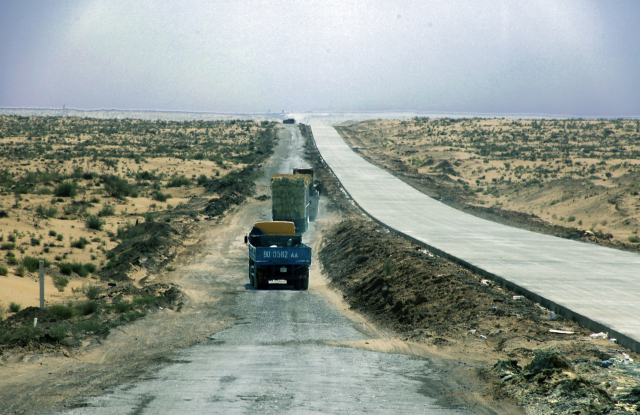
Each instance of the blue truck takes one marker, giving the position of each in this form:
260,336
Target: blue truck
277,253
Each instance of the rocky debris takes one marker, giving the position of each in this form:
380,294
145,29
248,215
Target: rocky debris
551,383
547,359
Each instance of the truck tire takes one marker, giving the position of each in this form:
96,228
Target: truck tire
250,276
305,284
255,282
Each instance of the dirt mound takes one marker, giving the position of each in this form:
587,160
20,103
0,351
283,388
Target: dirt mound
149,245
445,167
545,359
27,315
414,291
232,189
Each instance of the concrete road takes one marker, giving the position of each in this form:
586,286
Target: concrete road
599,287
275,359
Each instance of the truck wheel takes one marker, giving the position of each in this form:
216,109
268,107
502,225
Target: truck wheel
297,284
250,276
255,282
305,284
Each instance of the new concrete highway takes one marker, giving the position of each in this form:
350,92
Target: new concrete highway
599,287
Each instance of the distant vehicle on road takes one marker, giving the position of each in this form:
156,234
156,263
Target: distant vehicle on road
289,121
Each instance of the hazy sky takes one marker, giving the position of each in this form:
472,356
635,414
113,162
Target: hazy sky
559,57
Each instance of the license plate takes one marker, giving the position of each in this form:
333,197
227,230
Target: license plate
283,269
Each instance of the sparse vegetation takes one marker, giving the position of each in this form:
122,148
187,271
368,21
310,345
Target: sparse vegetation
59,332
122,307
33,264
83,173
60,282
64,312
21,270
66,189
161,197
144,300
92,292
94,222
14,307
117,187
178,181
568,168
50,212
8,246
80,243
107,210
87,307
82,270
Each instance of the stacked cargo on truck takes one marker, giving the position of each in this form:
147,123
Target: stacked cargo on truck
290,199
313,194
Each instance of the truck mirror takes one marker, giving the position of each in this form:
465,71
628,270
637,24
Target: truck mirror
245,239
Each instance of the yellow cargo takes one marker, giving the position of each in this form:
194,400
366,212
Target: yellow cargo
276,228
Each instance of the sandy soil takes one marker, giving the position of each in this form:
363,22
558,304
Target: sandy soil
40,153
572,173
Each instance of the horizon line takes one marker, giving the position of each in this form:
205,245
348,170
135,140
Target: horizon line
320,112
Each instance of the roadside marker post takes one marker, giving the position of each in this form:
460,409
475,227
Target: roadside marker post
42,285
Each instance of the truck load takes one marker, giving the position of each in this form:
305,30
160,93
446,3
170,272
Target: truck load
276,252
290,199
312,193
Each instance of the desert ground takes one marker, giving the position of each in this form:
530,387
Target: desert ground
72,189
117,322
574,174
